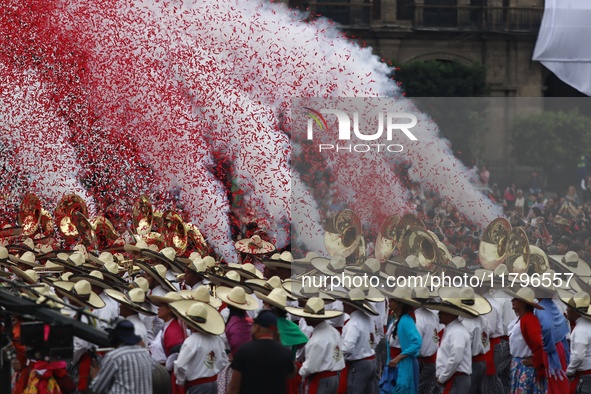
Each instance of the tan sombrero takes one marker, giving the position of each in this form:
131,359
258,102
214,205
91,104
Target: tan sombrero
247,271
298,289
135,299
98,278
403,294
237,298
372,294
356,299
266,286
50,266
140,283
254,245
466,298
453,304
283,260
579,301
79,292
199,316
277,297
202,294
333,266
104,257
75,261
411,264
371,267
525,294
571,262
166,299
28,276
198,266
138,247
305,262
158,272
166,255
27,258
229,279
314,309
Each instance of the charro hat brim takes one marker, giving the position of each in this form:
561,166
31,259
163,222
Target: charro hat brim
67,289
214,323
250,303
143,308
301,312
147,268
220,280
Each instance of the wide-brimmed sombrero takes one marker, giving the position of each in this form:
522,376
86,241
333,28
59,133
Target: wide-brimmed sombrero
75,262
100,279
356,299
451,302
199,316
166,255
229,279
283,260
403,294
371,267
27,258
579,301
202,294
333,266
158,272
134,299
79,292
138,247
28,276
266,286
254,245
166,299
305,289
571,262
314,309
466,298
104,257
237,298
371,294
247,271
277,297
525,294
409,265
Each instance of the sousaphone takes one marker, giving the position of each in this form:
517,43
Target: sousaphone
174,232
405,223
517,252
196,240
419,242
386,241
71,216
343,234
493,245
29,214
104,232
142,215
538,261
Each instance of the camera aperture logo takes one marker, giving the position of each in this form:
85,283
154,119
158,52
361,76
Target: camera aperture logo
393,123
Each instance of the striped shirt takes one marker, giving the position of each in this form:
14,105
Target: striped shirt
127,369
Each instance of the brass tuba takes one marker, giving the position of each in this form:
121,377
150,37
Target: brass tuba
419,242
29,214
196,241
517,255
142,215
71,216
386,241
343,234
405,223
538,261
493,245
174,232
104,232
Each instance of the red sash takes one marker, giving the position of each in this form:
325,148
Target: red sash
313,380
394,352
293,384
450,382
197,382
84,372
429,359
345,371
575,381
478,358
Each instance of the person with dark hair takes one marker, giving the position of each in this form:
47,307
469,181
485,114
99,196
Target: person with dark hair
127,369
264,365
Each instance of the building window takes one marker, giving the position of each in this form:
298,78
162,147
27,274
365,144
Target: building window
440,13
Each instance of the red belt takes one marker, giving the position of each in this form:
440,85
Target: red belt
314,379
394,352
478,358
363,359
429,359
495,341
504,337
450,382
197,382
575,381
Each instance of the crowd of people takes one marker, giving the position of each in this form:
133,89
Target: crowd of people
190,323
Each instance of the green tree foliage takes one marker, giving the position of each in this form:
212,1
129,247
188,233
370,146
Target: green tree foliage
461,121
562,136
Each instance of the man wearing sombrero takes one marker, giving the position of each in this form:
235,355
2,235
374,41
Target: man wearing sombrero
202,355
324,351
579,369
131,305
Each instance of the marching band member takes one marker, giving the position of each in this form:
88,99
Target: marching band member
579,369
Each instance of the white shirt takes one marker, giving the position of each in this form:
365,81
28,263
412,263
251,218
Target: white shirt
156,349
357,334
381,320
428,326
455,352
507,312
201,356
139,328
336,305
580,347
324,351
109,312
517,345
478,329
495,323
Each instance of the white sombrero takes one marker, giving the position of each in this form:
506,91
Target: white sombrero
27,258
237,298
229,279
525,294
266,286
371,267
466,299
199,316
356,299
104,257
571,262
247,271
333,266
277,297
158,272
283,260
403,294
201,294
79,292
313,309
134,299
254,245
166,255
28,276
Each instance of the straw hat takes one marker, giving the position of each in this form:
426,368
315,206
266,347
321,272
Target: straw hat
80,292
525,294
403,294
283,260
27,258
571,262
254,245
579,301
29,276
140,283
135,299
465,298
356,299
266,286
230,279
247,271
333,266
314,309
409,264
166,255
50,266
96,278
3,253
158,272
371,267
75,261
201,294
371,293
237,298
166,299
199,316
198,266
304,262
104,257
297,289
277,297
